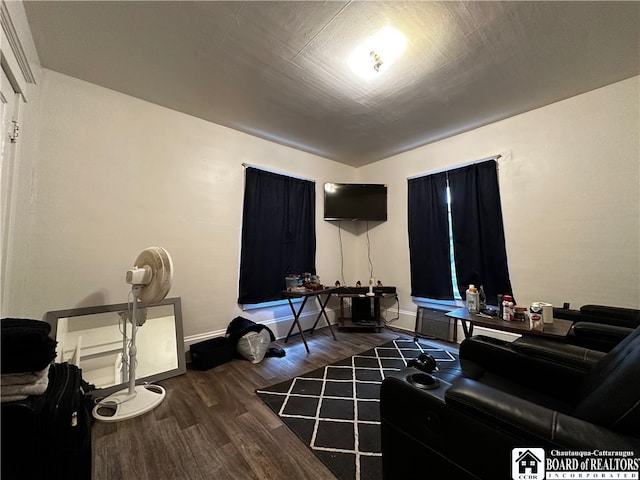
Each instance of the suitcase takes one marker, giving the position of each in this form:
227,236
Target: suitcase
49,436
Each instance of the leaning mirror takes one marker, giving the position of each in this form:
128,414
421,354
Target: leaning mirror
93,339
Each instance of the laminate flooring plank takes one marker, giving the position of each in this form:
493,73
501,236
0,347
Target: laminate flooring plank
176,455
124,458
212,423
260,458
146,450
222,386
264,417
271,441
245,375
241,376
204,453
106,455
259,454
304,464
182,403
235,464
200,382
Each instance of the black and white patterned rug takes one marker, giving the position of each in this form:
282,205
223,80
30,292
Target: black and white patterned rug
335,410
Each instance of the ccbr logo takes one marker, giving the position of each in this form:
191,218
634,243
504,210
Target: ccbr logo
527,464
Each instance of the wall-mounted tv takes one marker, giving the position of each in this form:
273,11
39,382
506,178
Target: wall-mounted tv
355,201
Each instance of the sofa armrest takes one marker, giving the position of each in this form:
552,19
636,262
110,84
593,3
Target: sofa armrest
600,330
525,419
623,317
557,352
597,336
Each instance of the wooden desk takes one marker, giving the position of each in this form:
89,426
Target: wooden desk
290,295
558,329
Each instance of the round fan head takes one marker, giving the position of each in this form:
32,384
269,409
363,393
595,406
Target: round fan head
158,260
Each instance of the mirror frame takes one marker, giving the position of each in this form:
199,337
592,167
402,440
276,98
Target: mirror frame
53,316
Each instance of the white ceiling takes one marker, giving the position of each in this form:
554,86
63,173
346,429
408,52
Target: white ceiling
278,70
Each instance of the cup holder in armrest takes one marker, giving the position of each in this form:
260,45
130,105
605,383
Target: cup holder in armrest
425,381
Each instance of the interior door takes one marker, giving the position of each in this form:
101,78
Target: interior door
10,103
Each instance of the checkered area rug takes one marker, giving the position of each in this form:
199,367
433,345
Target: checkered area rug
335,410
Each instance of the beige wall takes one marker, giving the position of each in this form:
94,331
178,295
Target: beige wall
569,182
116,174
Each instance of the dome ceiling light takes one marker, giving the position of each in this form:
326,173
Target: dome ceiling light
377,53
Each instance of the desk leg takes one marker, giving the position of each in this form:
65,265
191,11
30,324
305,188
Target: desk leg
468,330
455,330
323,312
376,312
296,321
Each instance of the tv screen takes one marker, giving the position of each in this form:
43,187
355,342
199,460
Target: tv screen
355,201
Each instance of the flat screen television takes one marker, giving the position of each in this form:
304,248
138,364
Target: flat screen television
355,201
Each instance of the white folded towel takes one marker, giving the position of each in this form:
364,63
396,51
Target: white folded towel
18,386
12,398
24,378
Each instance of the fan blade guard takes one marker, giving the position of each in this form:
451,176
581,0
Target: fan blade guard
159,261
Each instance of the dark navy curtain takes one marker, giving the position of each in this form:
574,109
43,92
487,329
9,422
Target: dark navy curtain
429,237
478,231
278,233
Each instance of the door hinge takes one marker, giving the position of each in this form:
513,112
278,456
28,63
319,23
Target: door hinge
14,131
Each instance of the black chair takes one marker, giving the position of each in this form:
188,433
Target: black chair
597,326
511,395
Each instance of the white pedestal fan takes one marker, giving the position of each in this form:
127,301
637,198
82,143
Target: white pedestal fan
150,281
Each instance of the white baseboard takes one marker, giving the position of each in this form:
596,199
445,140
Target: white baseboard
279,326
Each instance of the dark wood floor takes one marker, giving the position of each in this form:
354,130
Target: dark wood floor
211,424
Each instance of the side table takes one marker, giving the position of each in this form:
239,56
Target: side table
558,329
290,295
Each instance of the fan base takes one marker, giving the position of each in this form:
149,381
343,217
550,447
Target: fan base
122,406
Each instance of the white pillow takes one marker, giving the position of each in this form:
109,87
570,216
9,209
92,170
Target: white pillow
253,345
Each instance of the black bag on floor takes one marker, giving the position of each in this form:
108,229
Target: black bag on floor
48,436
211,353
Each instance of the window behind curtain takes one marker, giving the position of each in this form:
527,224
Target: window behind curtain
278,233
476,227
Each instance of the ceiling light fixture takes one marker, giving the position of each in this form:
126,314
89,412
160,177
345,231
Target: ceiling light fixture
377,53
376,60
330,187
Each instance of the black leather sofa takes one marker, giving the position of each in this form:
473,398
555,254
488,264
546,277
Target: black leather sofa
597,326
507,396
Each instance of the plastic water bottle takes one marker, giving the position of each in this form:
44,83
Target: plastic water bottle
482,302
473,300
